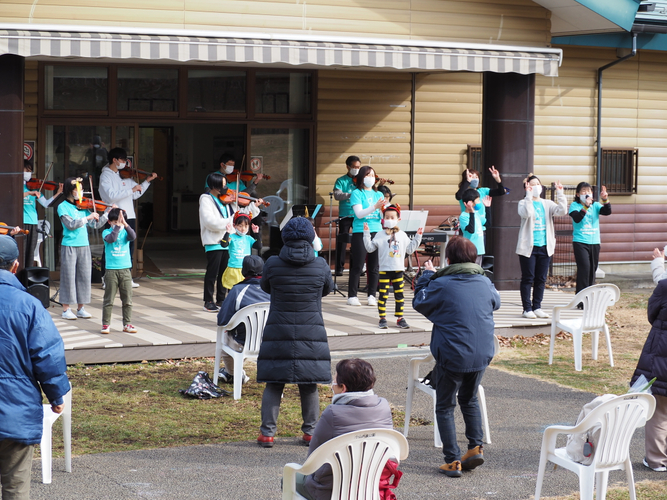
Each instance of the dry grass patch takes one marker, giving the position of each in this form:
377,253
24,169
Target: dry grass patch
646,490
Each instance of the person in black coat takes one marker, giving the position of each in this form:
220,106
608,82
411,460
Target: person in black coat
653,363
294,347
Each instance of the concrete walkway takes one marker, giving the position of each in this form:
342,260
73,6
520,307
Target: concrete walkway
519,410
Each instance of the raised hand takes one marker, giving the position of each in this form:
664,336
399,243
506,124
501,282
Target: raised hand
559,186
152,177
487,201
420,231
528,188
468,176
255,228
380,204
230,227
495,174
428,266
366,226
657,254
603,193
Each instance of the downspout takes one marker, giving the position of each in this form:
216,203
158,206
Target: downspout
598,172
413,115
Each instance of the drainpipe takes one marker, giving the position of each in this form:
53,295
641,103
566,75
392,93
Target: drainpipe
598,172
413,115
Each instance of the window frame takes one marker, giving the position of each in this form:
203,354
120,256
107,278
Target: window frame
629,170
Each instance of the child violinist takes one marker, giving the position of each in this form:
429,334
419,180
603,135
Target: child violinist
240,245
75,260
392,245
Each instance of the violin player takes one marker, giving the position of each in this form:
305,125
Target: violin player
122,192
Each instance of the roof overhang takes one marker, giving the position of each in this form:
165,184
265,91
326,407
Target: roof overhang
223,48
578,17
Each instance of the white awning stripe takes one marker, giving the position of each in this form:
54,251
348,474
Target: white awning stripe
266,51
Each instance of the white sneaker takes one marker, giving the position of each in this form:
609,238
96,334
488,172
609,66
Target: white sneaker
657,469
69,314
540,313
246,379
529,315
372,301
135,285
82,313
353,301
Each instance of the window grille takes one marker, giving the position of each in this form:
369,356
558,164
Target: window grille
475,157
619,170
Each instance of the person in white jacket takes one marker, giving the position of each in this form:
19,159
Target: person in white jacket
658,265
537,242
122,192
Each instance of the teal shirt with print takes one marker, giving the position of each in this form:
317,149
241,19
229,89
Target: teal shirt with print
367,198
117,254
29,208
540,226
587,230
477,237
79,236
345,184
224,209
483,192
240,245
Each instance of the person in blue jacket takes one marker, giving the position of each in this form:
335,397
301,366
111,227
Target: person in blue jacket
459,300
32,357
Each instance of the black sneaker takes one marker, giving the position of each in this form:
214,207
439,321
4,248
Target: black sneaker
210,307
218,304
225,376
401,323
383,323
339,273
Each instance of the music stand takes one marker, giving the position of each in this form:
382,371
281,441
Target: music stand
332,221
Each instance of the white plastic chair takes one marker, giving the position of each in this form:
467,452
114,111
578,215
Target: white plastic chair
45,446
595,300
42,226
276,205
254,317
618,419
356,459
414,382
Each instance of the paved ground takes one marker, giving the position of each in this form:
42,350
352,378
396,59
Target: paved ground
519,409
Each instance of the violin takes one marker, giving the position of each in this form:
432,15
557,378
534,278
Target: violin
386,181
38,184
141,175
244,199
5,229
246,176
89,204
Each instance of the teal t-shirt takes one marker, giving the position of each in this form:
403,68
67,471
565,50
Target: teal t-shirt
587,230
346,185
240,245
29,208
366,198
540,226
79,236
477,237
224,210
117,254
483,192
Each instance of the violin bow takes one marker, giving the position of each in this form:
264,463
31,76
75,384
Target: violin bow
44,179
92,193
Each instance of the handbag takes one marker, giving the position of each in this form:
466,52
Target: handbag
389,480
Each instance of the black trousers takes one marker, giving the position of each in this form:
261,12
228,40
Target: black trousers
358,257
342,240
587,257
216,263
30,244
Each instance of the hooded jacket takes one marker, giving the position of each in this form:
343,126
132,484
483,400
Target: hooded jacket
32,355
294,346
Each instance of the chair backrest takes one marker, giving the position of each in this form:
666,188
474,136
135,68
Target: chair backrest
254,317
357,460
618,420
276,205
595,300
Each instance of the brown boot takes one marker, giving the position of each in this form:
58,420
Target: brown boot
452,470
473,458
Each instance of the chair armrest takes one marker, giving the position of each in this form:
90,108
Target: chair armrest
415,362
289,480
551,435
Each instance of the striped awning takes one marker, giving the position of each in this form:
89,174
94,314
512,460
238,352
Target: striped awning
272,50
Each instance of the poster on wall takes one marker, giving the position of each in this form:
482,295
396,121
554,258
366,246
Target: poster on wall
29,151
257,164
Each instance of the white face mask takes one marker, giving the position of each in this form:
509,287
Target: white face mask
474,183
537,191
369,181
27,176
121,165
390,223
229,169
584,197
354,172
242,231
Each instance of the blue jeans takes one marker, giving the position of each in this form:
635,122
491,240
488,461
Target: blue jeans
534,270
448,384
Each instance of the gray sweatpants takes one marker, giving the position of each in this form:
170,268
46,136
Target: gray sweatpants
310,407
75,274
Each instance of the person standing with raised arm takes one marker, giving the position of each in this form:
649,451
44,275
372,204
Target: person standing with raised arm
341,193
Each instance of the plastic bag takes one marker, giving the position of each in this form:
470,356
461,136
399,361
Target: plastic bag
581,447
642,385
202,387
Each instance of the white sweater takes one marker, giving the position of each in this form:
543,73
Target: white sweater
113,189
391,258
213,223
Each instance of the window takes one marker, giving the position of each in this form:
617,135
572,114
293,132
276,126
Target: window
474,157
75,88
142,89
282,93
213,91
619,170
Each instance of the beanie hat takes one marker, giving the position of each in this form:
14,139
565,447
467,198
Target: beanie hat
298,228
252,266
395,207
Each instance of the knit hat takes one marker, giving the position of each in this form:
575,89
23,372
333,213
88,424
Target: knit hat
298,228
9,250
395,207
252,266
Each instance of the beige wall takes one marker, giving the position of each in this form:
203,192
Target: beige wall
486,21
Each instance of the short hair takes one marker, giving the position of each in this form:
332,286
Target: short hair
240,218
114,213
464,175
69,186
356,374
580,186
532,176
352,159
385,191
359,179
226,157
215,180
469,195
460,250
116,154
6,266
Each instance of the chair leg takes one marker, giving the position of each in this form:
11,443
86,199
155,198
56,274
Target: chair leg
576,341
608,338
629,473
218,352
437,441
238,375
540,474
481,397
46,452
601,480
595,340
408,404
586,485
552,341
67,439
